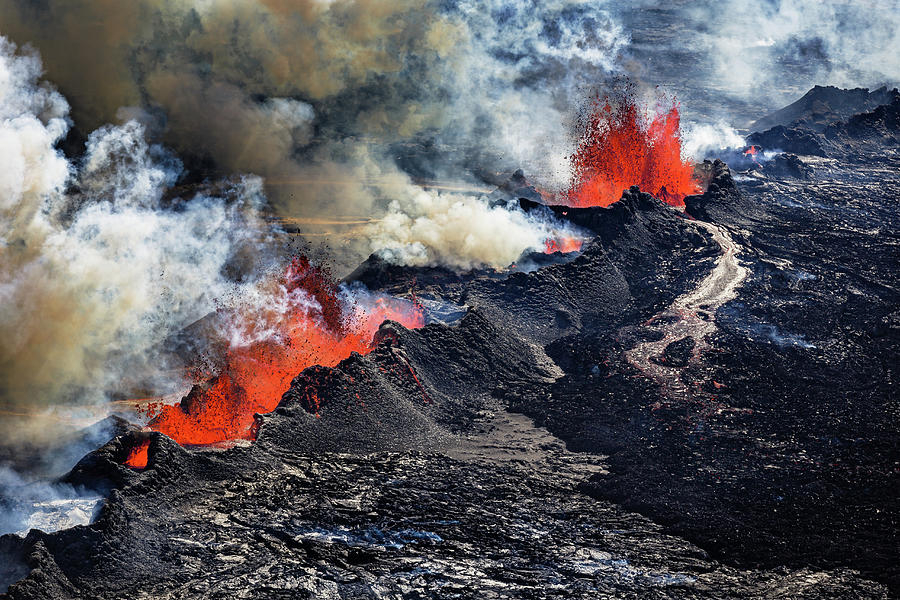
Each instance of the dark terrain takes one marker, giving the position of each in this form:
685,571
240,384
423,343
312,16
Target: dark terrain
529,444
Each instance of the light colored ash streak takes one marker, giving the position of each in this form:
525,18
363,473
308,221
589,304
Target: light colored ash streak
691,315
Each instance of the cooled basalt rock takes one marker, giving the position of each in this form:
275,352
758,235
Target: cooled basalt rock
416,470
796,140
721,201
823,105
678,353
857,138
787,165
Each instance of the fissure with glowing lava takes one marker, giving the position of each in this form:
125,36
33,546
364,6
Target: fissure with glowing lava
621,145
307,321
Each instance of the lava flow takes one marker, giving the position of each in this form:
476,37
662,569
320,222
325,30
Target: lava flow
562,245
620,147
306,321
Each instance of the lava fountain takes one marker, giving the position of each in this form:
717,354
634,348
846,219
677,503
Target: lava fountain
304,319
751,152
621,145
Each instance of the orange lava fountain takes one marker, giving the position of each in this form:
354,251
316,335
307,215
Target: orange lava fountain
304,322
620,147
752,151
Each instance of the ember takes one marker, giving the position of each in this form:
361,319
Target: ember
619,147
307,322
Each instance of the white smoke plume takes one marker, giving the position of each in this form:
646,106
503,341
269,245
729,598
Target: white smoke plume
41,505
460,231
96,268
705,140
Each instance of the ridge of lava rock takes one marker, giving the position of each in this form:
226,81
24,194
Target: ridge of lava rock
855,138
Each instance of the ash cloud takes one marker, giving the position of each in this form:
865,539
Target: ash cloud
97,268
315,96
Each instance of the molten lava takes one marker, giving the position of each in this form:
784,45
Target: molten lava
752,151
138,456
563,245
620,147
306,321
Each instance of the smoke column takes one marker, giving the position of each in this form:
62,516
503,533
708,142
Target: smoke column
337,105
96,269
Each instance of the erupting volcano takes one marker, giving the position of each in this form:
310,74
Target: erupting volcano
663,310
307,320
620,146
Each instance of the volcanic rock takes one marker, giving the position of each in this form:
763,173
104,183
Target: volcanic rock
858,137
823,105
787,165
678,353
797,140
722,200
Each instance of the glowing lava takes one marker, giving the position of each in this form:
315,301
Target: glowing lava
564,245
305,321
620,147
752,151
138,456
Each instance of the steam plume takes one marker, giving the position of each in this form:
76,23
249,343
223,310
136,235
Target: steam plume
95,270
321,98
777,49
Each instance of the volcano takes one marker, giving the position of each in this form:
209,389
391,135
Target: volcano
682,402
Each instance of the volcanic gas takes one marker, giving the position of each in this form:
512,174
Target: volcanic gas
621,145
305,319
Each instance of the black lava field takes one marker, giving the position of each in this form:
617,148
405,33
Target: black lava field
698,404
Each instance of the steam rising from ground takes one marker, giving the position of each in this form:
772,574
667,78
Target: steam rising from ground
777,49
702,140
427,228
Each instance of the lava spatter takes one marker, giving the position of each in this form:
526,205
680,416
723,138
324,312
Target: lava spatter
619,146
313,324
138,456
562,245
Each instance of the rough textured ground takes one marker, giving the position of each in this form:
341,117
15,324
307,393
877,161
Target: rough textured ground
525,452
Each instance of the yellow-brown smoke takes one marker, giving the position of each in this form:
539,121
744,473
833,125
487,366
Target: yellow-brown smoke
295,90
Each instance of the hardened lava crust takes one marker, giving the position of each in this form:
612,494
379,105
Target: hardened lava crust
698,404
